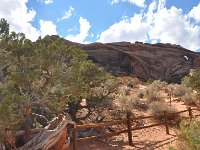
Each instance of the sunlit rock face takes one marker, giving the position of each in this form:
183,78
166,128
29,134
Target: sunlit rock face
156,61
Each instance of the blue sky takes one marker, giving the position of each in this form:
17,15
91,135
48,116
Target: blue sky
86,21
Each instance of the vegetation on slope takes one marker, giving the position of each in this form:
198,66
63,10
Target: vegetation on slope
44,78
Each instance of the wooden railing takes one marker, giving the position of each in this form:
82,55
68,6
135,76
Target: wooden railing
127,122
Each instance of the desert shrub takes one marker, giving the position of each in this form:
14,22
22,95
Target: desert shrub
125,90
181,90
193,81
153,96
157,84
171,87
150,80
159,107
189,99
134,100
129,102
141,93
189,135
171,148
131,84
127,79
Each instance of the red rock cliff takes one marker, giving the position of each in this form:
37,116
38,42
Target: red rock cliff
158,61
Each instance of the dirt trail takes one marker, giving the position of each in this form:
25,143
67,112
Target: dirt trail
153,138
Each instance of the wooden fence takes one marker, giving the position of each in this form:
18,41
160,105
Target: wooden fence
129,129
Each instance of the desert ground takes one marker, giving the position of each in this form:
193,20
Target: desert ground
153,138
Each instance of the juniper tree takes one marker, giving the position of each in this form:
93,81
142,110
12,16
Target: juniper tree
4,28
47,76
193,81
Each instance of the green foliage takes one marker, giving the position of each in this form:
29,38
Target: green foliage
158,85
49,75
141,93
4,28
153,96
159,107
124,90
153,91
150,80
129,102
131,84
189,135
181,90
189,99
193,81
171,148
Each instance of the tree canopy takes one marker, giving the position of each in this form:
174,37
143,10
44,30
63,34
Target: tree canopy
4,28
193,81
47,77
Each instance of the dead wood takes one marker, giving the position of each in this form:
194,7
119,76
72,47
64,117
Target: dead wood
54,136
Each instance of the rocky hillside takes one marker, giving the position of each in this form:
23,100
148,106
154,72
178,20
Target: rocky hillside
157,61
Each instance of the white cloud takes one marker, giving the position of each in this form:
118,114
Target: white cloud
67,14
195,13
19,16
161,4
126,30
48,2
173,26
157,24
73,29
84,31
139,3
47,28
152,6
114,1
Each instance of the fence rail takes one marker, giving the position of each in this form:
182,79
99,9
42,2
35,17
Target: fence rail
127,122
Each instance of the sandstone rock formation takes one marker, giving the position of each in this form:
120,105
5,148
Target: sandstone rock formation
146,61
157,61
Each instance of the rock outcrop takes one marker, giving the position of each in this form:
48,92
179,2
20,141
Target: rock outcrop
157,61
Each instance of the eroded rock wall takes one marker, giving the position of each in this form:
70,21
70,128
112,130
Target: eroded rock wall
157,61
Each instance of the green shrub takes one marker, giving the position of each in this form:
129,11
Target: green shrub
123,90
141,93
193,80
129,102
189,135
159,108
171,87
153,96
157,84
171,148
131,84
189,99
150,80
181,90
134,101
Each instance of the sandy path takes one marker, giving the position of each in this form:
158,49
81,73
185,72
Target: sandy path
153,138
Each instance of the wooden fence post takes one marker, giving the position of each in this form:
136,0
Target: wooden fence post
166,122
129,129
75,139
170,98
190,112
